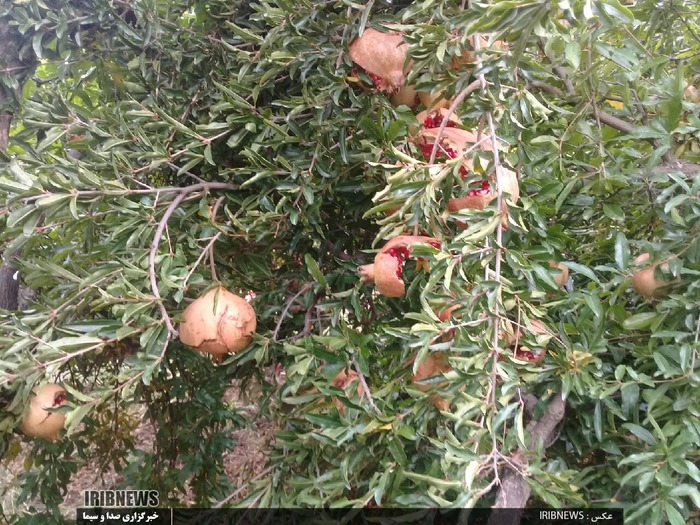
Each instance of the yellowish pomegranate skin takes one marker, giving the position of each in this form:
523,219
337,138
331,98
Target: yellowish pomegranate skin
645,283
218,322
406,95
562,275
39,422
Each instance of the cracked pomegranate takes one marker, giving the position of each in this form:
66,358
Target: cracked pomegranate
382,56
218,322
388,263
39,422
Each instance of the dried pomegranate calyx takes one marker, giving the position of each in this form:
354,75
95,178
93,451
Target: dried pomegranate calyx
366,273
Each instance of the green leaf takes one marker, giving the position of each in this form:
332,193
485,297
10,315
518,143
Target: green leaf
641,432
639,321
580,268
614,212
314,270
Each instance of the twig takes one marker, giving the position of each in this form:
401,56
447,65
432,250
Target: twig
549,88
145,191
212,264
361,377
301,291
446,119
207,250
558,70
241,488
342,40
152,261
182,193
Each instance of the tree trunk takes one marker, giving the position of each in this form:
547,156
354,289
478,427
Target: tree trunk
10,64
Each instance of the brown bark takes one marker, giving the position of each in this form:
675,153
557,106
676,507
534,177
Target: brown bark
515,491
10,64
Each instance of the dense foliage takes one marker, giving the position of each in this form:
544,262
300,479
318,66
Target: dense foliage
251,118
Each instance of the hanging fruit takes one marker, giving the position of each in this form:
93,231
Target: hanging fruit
521,352
435,364
218,322
645,283
388,264
383,57
344,381
560,276
38,421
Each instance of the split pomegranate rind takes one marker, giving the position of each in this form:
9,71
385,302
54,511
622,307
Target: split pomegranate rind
39,422
383,57
434,365
523,353
388,263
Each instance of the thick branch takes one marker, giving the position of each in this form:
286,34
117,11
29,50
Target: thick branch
515,491
558,70
10,39
5,123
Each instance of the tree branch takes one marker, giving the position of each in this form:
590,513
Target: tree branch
181,194
558,70
446,118
515,491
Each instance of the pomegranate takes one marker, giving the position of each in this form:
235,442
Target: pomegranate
433,119
344,380
454,141
388,263
433,101
523,353
479,196
445,315
38,421
218,322
406,95
562,275
514,342
366,273
645,283
466,58
692,93
383,57
434,364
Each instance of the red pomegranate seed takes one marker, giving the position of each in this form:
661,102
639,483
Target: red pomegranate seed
377,80
400,253
523,355
434,120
